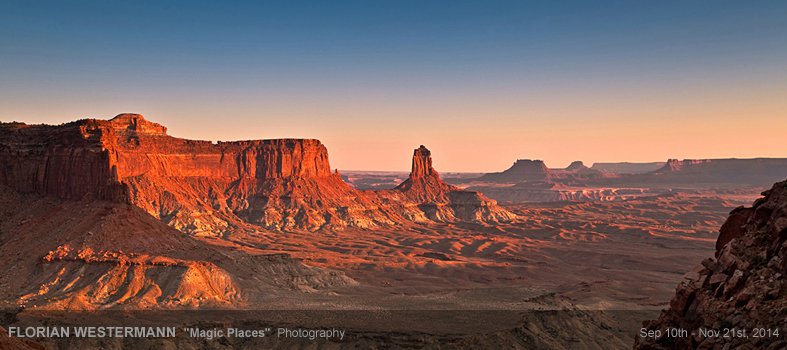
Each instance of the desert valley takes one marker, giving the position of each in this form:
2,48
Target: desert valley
102,218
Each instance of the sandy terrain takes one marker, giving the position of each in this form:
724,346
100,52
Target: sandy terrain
602,255
614,263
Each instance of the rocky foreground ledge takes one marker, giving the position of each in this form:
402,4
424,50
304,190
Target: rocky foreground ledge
742,293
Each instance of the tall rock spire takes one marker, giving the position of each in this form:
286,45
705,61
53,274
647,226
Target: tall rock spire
422,163
446,202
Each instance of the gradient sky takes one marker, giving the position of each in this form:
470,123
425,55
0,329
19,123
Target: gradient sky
481,83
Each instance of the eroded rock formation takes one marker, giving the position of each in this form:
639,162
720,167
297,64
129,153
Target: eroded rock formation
743,288
440,201
213,188
94,254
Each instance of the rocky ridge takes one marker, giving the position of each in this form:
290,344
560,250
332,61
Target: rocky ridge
94,254
743,287
755,171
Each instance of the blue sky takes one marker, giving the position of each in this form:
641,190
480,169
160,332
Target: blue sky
480,82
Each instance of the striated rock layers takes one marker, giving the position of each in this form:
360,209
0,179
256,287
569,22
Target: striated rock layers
212,188
743,288
93,254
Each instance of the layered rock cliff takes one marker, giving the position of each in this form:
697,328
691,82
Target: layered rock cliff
68,161
212,188
743,288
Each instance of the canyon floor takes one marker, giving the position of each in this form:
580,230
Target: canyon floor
601,267
618,255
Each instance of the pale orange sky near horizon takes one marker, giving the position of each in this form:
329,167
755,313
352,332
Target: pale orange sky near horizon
486,134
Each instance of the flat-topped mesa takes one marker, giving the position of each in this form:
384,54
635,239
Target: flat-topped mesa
576,165
422,163
98,158
202,187
143,148
755,171
527,167
521,170
136,123
674,165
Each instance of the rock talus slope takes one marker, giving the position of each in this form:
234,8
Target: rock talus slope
744,287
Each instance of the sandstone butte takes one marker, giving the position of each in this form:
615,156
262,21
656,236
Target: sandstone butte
521,170
203,187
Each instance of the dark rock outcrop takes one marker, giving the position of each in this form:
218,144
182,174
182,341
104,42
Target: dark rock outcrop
743,288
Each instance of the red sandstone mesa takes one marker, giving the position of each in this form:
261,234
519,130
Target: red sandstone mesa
212,188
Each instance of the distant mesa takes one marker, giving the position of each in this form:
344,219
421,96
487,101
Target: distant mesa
627,167
521,170
576,169
576,165
531,181
754,171
535,172
675,165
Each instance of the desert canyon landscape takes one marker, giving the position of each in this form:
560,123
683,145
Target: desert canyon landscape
219,175
100,218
